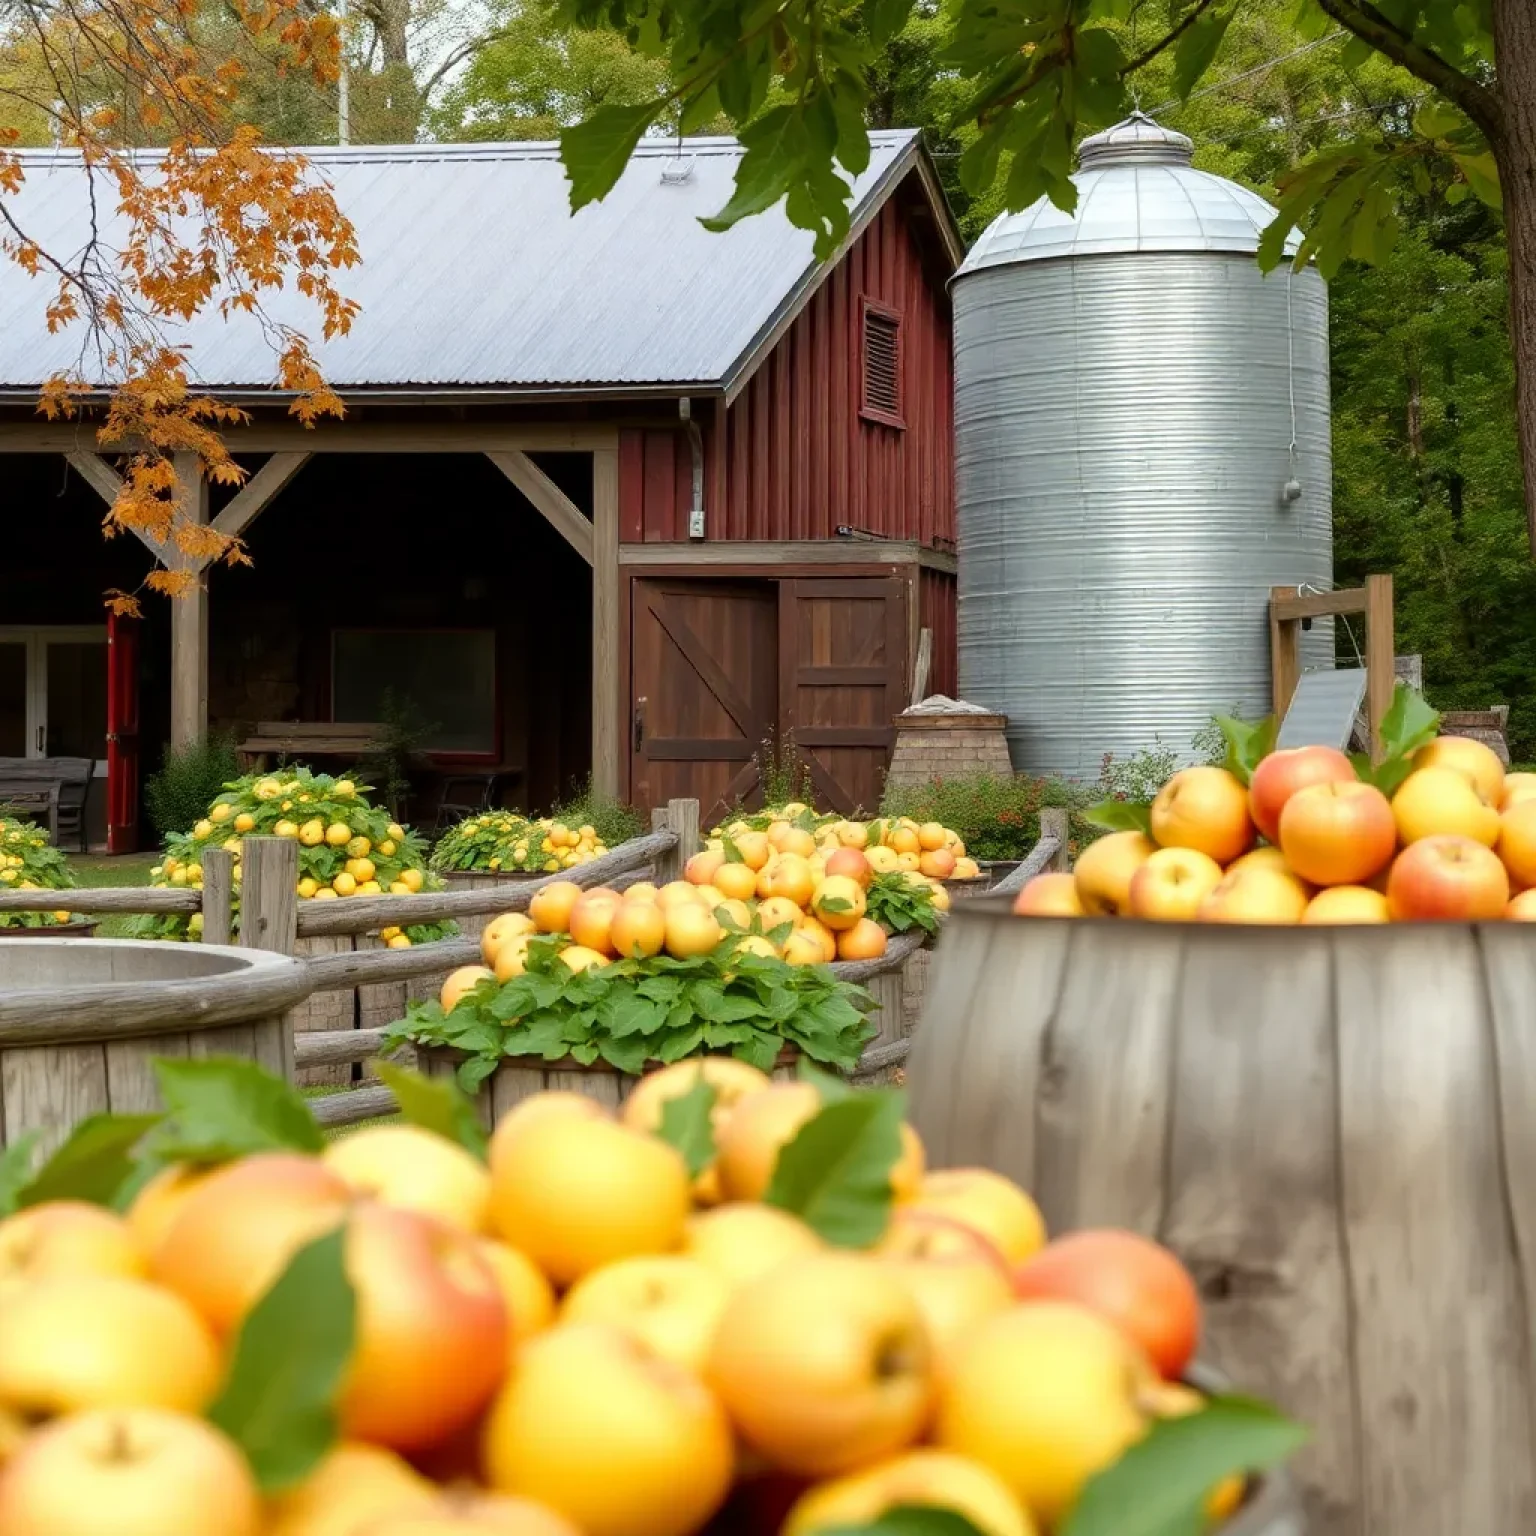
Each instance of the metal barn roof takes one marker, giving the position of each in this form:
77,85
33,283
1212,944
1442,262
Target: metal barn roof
476,274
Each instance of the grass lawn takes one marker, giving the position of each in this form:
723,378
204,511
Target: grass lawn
96,869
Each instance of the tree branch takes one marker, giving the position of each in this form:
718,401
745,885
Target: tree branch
1143,59
457,56
1367,23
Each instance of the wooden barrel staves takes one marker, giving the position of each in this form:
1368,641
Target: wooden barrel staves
1334,1128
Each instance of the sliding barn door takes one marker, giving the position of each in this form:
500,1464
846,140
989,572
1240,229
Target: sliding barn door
843,679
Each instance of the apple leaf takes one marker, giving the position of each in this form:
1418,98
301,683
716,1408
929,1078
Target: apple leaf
910,1520
686,1124
1159,1486
15,1170
93,1164
835,1173
223,1107
1121,816
1409,723
1248,743
833,1090
435,1104
288,1361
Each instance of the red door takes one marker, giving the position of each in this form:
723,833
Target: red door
122,734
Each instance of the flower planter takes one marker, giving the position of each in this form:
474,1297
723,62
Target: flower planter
1332,1127
81,1023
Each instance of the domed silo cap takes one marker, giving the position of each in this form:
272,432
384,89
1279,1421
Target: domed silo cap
1138,191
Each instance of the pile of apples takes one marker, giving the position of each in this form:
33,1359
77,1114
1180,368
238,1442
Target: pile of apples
890,843
1456,841
574,1337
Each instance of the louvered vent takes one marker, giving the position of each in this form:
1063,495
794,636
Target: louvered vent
882,365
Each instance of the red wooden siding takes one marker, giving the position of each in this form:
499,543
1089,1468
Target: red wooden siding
936,611
798,458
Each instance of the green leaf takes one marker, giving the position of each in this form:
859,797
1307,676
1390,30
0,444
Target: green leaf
15,1170
1162,1481
93,1163
1121,816
909,1520
596,151
1247,743
1482,173
1409,723
687,1125
835,1174
435,1104
224,1107
1196,51
289,1359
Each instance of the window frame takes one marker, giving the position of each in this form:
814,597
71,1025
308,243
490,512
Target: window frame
874,413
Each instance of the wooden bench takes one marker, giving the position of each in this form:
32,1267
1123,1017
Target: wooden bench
50,790
307,739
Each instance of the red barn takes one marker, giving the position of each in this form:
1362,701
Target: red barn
613,495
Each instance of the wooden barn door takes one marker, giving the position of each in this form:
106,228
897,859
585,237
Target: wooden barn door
705,691
843,677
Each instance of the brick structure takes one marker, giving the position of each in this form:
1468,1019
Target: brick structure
947,739
1485,725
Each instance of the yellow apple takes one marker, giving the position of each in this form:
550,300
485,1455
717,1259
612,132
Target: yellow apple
1049,895
464,1513
759,1128
1517,787
1170,886
742,1241
574,1193
1103,872
1347,904
1206,809
1045,1395
1257,894
664,1457
732,1081
824,1364
159,1202
1467,756
103,1341
995,1206
952,1295
930,1479
1434,802
354,1484
496,933
415,1170
67,1237
129,1472
671,1304
527,1293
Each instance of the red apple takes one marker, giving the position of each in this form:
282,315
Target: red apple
1282,773
1447,878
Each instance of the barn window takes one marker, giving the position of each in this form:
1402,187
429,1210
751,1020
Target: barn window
881,397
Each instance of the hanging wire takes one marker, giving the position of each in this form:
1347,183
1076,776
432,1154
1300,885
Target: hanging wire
1290,344
1247,74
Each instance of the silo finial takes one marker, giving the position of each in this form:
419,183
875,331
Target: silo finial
1139,140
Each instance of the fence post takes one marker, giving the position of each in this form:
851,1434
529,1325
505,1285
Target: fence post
269,897
218,895
681,817
1054,823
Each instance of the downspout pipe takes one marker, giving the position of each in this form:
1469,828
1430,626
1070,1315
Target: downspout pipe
696,443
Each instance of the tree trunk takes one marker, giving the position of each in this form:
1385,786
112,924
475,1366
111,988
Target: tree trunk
1514,44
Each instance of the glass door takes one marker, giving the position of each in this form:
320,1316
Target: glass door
53,693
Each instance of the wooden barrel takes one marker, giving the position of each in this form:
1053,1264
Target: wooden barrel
78,928
81,1023
1334,1128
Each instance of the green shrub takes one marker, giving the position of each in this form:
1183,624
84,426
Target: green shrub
188,782
996,817
612,820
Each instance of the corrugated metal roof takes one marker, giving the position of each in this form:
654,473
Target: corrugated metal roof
476,273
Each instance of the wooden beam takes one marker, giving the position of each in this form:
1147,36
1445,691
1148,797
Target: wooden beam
562,514
1284,652
789,552
1380,657
259,492
107,484
351,437
189,619
1318,605
609,689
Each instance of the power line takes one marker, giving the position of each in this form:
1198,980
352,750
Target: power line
1247,74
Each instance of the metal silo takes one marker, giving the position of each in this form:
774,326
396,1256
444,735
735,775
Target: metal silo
1142,452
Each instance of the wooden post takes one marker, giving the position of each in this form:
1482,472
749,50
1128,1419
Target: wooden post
1054,823
218,896
269,898
189,616
1284,654
681,817
608,688
1380,657
924,665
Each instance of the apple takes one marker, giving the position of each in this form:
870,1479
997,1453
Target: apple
457,1513
938,864
1517,787
1338,833
616,1439
995,1206
1447,878
742,1241
575,1192
414,1170
1170,886
1103,872
952,1293
552,1103
1053,894
731,1079
1174,1400
1516,845
433,1337
1271,859
159,1202
1045,1395
760,1125
1279,775
1255,895
670,1303
851,862
1468,756
1129,1280
66,1237
129,1472
103,1341
931,1479
1432,801
457,985
824,1365
354,1485
1347,904
235,1233
509,925
702,867
526,1292
916,1233
1522,908
1205,809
